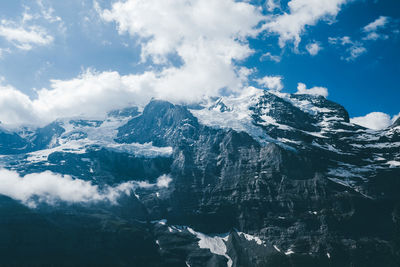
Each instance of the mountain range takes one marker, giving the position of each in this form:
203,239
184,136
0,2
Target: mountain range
260,179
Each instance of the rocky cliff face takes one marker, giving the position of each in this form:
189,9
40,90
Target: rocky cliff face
265,179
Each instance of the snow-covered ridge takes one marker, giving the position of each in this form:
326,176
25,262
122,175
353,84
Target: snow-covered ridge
233,113
78,137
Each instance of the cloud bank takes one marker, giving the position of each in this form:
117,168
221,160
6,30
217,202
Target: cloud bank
50,188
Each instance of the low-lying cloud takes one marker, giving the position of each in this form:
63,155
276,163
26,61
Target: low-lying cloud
51,188
162,182
375,120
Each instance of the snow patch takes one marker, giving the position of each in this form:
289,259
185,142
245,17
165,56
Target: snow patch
252,238
216,244
277,249
236,116
289,251
78,137
393,164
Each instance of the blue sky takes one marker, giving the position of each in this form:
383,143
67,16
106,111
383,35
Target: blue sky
54,52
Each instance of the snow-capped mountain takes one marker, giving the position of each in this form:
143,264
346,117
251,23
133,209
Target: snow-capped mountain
262,179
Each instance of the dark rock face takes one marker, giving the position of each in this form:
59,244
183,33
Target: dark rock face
126,112
12,143
161,123
320,192
44,136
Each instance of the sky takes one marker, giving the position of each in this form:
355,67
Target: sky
71,58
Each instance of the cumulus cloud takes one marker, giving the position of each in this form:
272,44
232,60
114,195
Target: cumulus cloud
374,120
50,188
24,37
271,82
170,26
313,48
302,13
208,36
16,107
302,89
376,24
91,94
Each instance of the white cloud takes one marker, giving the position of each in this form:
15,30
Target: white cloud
207,35
24,37
374,120
302,89
50,188
376,24
91,94
372,28
48,12
16,107
354,49
269,56
273,4
313,48
372,36
168,26
302,13
271,82
164,181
